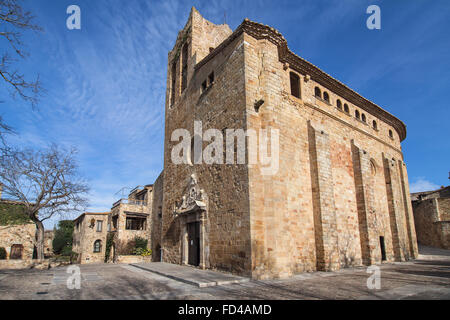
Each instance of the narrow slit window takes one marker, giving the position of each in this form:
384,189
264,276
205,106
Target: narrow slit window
382,249
174,78
184,67
374,125
295,84
204,86
211,78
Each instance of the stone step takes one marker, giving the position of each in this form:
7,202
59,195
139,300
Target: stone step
190,275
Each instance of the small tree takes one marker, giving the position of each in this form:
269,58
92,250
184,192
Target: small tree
140,243
46,182
62,241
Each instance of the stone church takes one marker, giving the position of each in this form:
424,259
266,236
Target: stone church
340,196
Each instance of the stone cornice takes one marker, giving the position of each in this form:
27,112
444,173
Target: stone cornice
260,31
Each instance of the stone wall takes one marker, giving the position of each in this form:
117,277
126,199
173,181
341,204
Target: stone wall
323,195
17,264
156,237
19,234
132,259
444,209
48,243
432,222
30,264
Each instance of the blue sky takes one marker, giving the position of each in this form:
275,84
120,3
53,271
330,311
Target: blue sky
106,82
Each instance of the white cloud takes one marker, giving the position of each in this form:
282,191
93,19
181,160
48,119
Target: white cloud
421,184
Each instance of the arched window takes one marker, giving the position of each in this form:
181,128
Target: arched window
391,135
374,125
346,109
98,246
363,117
326,97
339,104
317,92
295,84
357,114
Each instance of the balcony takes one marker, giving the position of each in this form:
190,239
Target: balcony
130,202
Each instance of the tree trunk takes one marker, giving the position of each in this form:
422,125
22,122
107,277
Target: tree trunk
40,240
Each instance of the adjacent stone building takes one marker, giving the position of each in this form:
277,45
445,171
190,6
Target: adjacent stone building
340,194
130,218
17,231
89,237
432,217
18,236
156,216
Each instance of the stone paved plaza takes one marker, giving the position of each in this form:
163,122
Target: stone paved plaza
426,278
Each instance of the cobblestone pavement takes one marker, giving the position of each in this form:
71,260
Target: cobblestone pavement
426,278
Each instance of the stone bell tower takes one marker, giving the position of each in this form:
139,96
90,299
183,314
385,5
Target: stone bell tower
185,229
197,39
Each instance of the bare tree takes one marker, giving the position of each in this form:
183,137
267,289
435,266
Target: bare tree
46,181
4,130
13,22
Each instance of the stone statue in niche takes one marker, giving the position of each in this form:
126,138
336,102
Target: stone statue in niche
193,199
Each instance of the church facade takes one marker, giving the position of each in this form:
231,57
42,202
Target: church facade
339,195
